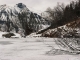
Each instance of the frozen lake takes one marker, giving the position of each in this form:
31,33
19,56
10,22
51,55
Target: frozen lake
30,49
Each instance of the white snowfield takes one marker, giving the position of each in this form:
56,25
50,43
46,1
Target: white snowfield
31,49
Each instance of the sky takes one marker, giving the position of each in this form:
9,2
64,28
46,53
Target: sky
35,5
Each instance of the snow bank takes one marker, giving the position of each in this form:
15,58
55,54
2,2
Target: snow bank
34,35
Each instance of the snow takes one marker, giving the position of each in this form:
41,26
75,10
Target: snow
17,35
34,35
30,49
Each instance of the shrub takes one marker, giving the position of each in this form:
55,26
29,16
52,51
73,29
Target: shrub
8,35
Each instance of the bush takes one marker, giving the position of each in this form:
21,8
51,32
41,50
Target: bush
53,33
8,35
61,32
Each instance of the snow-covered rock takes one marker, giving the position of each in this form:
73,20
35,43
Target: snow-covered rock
16,35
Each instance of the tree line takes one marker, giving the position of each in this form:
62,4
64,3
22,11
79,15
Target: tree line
62,14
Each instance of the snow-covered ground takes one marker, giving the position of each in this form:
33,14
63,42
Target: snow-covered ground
31,49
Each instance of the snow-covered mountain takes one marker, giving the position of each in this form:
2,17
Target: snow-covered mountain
19,15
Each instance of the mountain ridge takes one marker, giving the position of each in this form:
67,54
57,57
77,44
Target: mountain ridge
17,15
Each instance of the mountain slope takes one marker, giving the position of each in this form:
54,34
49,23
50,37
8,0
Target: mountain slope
20,16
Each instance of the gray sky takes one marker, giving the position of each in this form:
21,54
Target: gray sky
35,5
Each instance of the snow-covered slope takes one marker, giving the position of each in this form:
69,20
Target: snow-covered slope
10,16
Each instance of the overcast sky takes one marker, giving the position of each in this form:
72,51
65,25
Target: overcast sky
35,5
